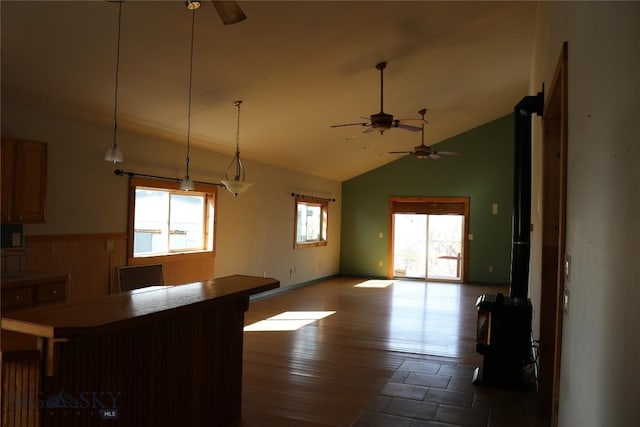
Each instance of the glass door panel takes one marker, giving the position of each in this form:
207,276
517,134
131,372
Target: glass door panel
428,246
409,245
445,247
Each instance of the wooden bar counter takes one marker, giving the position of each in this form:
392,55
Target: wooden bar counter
158,356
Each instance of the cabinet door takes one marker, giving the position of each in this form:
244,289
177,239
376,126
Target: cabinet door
8,162
30,174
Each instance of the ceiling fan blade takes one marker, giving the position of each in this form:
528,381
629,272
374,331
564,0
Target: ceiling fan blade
415,122
433,156
400,152
414,125
229,11
368,130
351,124
446,153
408,127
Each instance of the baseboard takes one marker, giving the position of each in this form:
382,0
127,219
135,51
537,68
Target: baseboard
277,291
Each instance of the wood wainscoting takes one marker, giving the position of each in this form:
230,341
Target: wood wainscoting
91,261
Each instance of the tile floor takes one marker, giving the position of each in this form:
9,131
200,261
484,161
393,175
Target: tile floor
438,392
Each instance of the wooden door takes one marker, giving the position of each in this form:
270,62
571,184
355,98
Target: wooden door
554,172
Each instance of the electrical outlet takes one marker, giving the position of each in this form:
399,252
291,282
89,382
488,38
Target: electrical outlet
491,269
494,209
380,264
380,235
565,301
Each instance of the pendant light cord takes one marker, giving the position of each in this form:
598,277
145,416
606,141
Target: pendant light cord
237,103
239,169
115,104
237,177
193,21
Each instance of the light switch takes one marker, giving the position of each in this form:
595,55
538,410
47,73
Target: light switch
470,236
494,209
380,235
567,267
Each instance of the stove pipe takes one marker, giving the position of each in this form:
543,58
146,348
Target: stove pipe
521,232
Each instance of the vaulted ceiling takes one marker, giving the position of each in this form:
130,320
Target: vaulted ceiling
299,67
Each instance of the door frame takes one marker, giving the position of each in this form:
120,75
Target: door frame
554,202
428,203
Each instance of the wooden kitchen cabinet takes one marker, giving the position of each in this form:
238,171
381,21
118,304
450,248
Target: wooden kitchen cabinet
24,181
30,289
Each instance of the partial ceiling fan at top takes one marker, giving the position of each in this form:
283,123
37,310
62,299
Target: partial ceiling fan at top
424,151
229,11
382,121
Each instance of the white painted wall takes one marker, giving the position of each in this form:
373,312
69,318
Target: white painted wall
600,370
254,230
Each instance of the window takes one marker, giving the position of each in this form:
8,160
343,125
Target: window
311,222
167,221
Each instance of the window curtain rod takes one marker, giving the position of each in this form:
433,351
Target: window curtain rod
312,197
121,172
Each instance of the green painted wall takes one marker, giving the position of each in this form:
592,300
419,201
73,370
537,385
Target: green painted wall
483,172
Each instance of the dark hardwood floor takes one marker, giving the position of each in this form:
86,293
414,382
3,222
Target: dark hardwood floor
332,371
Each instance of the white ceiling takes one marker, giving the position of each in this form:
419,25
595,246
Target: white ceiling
299,67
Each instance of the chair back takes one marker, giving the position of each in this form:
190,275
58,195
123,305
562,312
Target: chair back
140,276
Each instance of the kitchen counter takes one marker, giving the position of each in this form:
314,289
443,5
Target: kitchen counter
172,355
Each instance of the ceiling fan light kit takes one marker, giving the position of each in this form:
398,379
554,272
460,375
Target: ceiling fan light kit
114,153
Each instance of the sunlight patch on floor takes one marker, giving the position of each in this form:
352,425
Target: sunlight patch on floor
288,321
373,283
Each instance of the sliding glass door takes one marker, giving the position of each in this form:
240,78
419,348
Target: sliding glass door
428,247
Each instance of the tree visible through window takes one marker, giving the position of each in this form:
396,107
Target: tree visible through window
169,221
311,222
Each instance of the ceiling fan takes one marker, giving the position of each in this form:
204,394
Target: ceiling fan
229,11
424,151
383,121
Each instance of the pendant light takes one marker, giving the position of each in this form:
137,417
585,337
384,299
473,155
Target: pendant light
114,154
237,184
186,184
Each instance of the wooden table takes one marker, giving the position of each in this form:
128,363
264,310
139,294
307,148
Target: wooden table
160,356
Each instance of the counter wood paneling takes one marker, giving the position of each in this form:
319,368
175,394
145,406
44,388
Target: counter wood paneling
160,356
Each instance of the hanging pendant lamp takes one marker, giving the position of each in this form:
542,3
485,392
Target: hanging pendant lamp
234,180
114,154
187,184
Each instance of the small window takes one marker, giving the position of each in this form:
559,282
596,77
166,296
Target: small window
168,221
311,222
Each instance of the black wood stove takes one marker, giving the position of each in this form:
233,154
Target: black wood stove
504,323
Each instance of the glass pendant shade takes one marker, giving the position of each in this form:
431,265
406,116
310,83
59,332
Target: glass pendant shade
113,154
186,184
237,185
